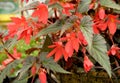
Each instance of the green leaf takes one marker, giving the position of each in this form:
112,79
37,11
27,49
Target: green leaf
99,52
8,69
47,42
87,30
84,6
28,6
10,43
27,64
50,64
23,79
110,4
68,24
53,28
56,6
63,24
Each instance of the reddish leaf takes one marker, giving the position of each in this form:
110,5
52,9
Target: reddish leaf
101,13
42,13
42,77
87,64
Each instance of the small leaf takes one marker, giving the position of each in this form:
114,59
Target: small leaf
84,6
99,52
27,64
8,69
56,5
68,24
23,79
10,43
47,42
87,30
29,6
51,29
110,4
50,64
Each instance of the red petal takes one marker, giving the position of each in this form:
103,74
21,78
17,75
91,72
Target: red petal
112,28
101,13
52,52
33,70
58,54
42,77
95,29
7,61
65,54
75,44
41,13
87,64
69,49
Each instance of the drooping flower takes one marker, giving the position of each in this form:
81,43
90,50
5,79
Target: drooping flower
101,13
72,43
115,51
42,76
87,64
33,70
112,23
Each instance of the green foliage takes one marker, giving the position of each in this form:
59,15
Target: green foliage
23,79
50,64
7,70
110,4
99,52
87,30
47,42
83,6
62,24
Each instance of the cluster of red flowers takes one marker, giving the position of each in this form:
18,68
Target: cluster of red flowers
70,42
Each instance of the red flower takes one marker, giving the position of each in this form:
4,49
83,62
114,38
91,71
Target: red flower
87,64
58,50
101,13
15,54
42,13
20,28
102,25
82,39
66,8
112,23
33,70
115,51
25,34
42,76
72,43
